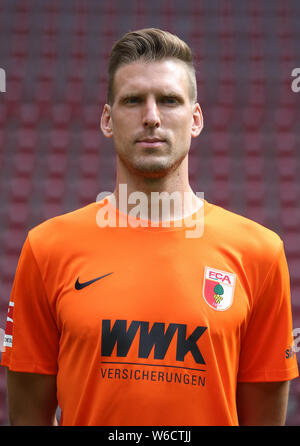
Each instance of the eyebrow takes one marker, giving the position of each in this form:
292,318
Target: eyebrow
167,93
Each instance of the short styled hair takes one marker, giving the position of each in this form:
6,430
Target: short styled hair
149,44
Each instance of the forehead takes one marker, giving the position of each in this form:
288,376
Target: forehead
157,76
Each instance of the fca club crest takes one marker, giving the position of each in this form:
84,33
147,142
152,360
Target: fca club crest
218,288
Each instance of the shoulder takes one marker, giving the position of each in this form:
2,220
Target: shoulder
60,230
244,234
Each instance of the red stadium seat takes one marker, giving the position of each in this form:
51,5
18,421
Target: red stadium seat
291,242
17,215
220,143
60,140
89,165
253,118
53,189
220,118
24,163
49,209
8,268
27,139
29,115
287,169
285,118
21,188
57,164
289,194
61,115
13,239
254,168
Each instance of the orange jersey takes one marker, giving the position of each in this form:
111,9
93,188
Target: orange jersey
145,326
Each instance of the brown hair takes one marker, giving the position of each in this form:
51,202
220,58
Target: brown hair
149,44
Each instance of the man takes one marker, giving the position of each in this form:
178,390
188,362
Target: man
134,323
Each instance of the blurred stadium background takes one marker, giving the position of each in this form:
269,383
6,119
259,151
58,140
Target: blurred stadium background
54,159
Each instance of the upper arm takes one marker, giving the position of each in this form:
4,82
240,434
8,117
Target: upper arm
31,398
262,403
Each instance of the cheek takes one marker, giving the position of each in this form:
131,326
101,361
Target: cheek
123,126
181,122
182,131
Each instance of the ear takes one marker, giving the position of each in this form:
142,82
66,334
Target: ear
106,122
197,123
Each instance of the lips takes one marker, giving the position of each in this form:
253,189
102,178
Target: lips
150,142
153,144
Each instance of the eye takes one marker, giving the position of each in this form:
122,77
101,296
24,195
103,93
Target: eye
132,100
169,100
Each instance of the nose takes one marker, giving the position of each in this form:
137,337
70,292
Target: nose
151,116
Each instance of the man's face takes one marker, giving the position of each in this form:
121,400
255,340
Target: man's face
152,118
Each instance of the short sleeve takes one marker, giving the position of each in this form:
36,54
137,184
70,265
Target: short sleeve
31,336
267,347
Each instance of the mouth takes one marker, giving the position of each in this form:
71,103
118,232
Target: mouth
150,142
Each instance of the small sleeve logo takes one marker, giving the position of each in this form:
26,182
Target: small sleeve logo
8,337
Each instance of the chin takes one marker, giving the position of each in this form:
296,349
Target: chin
156,168
152,166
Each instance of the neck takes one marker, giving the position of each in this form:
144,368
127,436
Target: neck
159,198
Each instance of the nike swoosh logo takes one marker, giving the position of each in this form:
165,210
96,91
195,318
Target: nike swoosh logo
79,286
